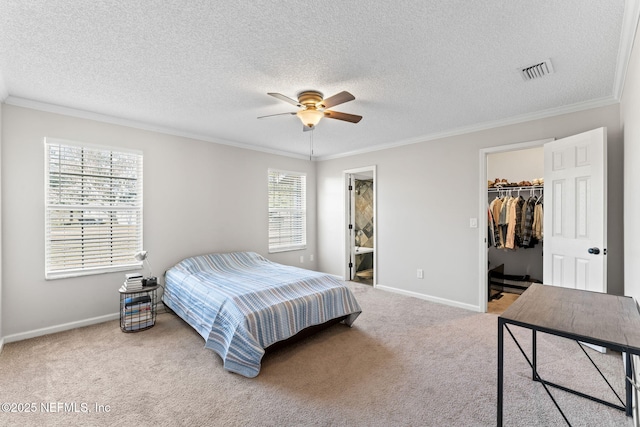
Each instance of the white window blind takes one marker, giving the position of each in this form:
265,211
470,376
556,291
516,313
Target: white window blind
287,211
93,202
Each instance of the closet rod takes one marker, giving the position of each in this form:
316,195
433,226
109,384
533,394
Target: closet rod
506,188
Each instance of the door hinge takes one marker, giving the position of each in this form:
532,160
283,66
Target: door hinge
350,265
350,226
604,251
350,187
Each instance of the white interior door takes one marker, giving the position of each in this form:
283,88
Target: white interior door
575,212
351,227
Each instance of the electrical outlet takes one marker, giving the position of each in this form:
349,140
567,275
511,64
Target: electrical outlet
473,222
311,257
301,259
420,273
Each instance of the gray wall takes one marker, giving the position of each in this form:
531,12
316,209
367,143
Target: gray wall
630,116
1,275
204,197
198,197
427,192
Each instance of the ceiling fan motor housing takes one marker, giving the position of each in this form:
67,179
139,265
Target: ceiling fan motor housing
310,98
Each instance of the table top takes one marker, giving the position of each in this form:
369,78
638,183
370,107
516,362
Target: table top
602,319
138,291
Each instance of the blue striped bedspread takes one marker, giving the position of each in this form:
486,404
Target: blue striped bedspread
241,303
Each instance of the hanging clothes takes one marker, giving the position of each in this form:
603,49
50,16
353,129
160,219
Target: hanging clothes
538,220
495,207
511,224
527,230
515,222
504,220
491,241
518,233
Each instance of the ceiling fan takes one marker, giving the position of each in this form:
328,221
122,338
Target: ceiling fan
314,107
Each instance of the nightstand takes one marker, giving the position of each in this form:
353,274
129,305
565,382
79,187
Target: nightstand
138,308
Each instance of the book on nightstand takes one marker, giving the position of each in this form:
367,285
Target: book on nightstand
133,282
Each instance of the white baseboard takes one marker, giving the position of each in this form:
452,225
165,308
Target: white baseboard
429,298
59,328
1,344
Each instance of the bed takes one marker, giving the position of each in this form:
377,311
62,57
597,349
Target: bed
241,303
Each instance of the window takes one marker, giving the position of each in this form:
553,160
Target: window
287,211
93,203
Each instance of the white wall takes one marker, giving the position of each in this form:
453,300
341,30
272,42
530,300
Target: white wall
1,275
428,191
630,117
199,197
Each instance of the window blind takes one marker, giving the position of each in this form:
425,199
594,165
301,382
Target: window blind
93,203
287,211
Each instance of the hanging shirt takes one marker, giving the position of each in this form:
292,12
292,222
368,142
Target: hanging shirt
518,237
538,221
527,234
504,220
511,225
498,216
491,236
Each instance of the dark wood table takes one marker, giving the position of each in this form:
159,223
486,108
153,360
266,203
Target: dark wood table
590,317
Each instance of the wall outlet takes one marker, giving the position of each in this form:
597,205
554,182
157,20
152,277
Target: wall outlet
311,257
301,259
420,273
473,222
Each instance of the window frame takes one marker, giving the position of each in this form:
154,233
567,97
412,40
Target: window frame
134,208
300,210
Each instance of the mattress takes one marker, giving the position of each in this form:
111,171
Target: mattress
241,303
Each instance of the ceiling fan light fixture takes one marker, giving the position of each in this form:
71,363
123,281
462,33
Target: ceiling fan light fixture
310,117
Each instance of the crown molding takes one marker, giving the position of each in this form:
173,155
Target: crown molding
551,112
4,93
58,109
104,118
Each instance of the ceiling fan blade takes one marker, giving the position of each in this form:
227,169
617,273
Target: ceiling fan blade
342,116
279,114
338,98
285,99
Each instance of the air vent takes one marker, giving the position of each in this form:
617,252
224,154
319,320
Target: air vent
536,71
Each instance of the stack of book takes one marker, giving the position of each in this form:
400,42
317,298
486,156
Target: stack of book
137,313
133,282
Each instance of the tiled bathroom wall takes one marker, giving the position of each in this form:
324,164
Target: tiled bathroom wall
364,213
364,222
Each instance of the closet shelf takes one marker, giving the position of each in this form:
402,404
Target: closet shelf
524,188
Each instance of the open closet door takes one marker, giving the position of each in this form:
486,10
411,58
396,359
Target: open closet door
575,221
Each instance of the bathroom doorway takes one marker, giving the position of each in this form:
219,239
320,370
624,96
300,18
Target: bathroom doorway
361,230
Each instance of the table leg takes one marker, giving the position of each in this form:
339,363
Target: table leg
627,383
500,369
534,350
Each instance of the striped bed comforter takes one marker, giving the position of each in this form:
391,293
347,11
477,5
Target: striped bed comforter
241,303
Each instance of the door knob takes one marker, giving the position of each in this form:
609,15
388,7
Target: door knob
594,251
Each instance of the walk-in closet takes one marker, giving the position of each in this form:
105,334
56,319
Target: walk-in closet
515,210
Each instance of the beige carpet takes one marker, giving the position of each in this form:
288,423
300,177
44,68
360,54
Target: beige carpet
405,362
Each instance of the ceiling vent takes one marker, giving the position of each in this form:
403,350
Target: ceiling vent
536,71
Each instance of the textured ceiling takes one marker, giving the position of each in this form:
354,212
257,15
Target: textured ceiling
418,69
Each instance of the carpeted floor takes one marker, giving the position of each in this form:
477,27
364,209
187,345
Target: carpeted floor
405,362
